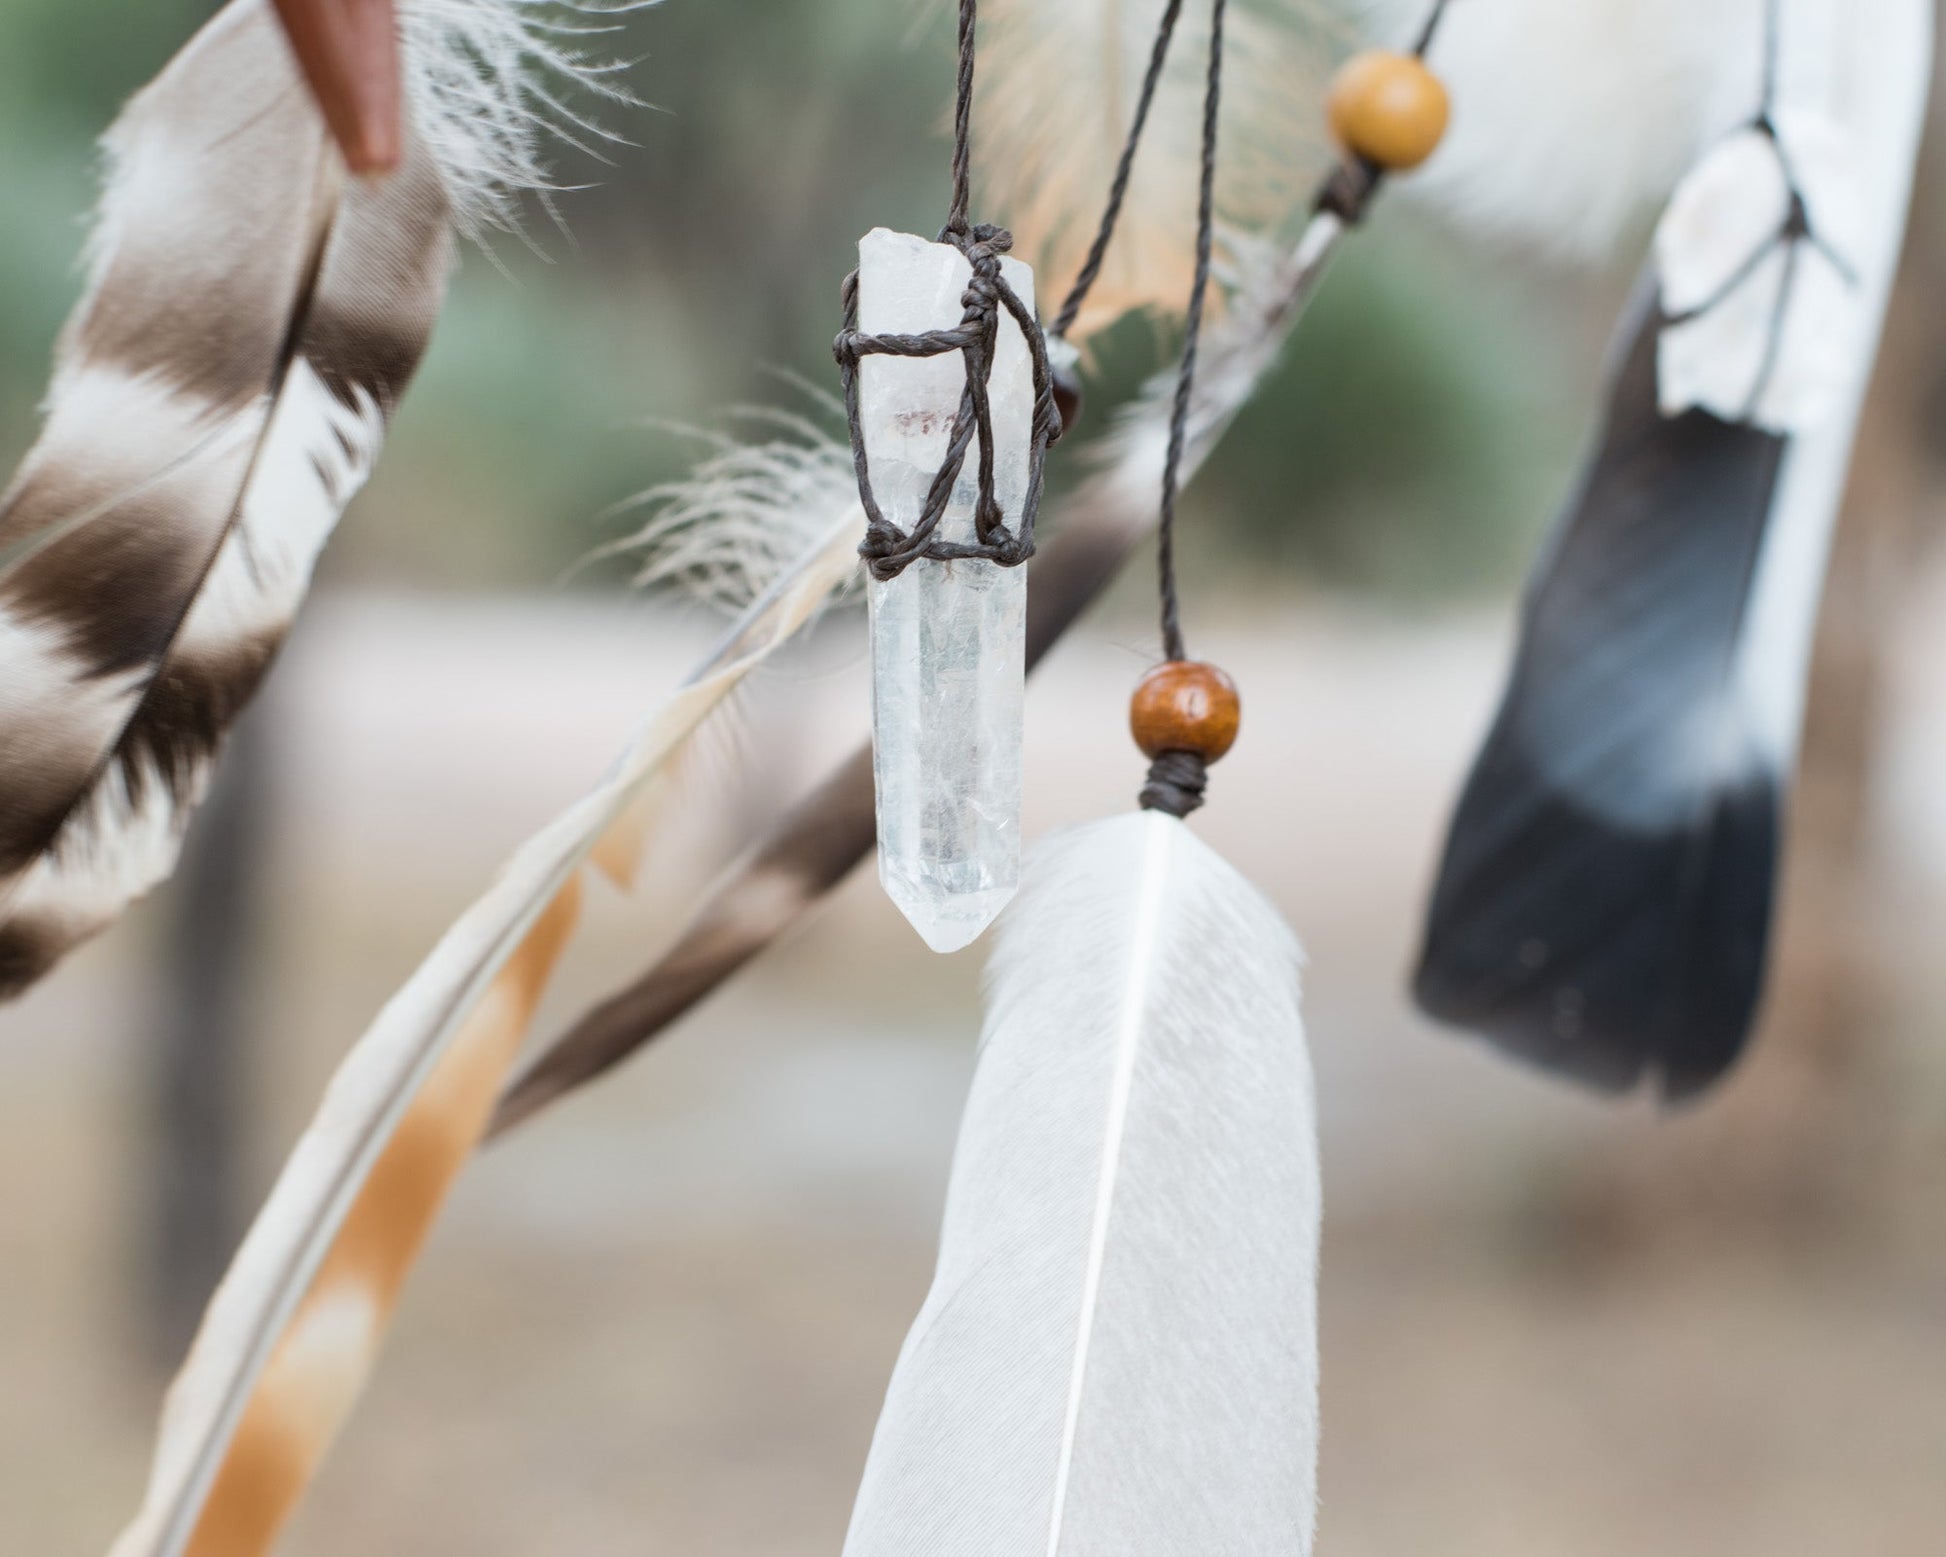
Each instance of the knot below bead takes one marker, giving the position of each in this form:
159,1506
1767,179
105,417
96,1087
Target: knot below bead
1177,780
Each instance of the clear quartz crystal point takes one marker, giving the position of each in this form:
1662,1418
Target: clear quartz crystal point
949,639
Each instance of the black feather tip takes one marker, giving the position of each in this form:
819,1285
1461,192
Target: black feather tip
1604,905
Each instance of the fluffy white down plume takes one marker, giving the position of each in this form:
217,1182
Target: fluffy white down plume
1118,1357
751,508
492,84
1573,119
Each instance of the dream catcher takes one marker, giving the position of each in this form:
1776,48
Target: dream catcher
1121,1339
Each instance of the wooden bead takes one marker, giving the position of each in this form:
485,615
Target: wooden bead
1185,706
1388,108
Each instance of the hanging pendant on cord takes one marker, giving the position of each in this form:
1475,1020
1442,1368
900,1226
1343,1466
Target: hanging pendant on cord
950,401
1119,1353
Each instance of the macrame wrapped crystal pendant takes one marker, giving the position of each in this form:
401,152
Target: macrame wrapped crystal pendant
952,415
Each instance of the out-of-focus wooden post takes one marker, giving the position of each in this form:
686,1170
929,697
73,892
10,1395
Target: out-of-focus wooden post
193,1200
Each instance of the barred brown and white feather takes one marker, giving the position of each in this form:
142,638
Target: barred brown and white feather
222,391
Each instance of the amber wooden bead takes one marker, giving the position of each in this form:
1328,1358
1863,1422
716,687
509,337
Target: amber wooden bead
1185,706
1388,108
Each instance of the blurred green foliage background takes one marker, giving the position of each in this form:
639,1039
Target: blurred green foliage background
1412,446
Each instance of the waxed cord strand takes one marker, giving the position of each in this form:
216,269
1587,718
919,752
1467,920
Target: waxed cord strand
1118,190
1172,640
1177,779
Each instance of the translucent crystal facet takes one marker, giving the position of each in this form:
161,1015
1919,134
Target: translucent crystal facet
949,639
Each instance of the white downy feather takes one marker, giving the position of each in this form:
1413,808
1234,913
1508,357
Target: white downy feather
1572,118
292,1331
1118,1357
747,509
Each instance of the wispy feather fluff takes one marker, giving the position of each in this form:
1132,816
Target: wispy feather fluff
746,511
292,1331
1605,900
1118,1357
1059,81
221,392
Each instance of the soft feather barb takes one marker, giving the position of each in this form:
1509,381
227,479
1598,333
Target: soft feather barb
293,1330
748,508
1118,1357
1059,81
220,393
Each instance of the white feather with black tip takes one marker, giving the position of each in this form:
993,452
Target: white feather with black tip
1604,906
1118,1357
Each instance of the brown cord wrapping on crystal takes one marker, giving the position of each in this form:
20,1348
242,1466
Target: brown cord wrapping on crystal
888,551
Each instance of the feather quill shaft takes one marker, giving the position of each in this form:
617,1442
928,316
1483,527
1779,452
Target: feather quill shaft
291,1333
1143,953
1119,1352
816,845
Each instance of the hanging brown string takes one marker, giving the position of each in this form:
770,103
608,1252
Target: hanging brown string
1177,779
1111,214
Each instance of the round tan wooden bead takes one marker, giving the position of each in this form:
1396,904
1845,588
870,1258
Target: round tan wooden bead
1185,706
1388,108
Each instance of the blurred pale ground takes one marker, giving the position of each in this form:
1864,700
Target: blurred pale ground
660,1320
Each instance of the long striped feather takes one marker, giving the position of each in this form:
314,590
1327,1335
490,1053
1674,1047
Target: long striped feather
1119,1353
294,1328
251,319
